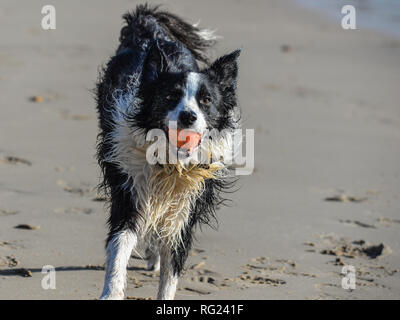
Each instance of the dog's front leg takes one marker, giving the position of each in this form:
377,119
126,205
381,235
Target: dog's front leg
119,250
168,276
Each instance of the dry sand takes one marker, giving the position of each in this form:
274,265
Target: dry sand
325,106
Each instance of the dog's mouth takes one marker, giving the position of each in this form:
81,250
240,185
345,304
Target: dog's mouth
185,140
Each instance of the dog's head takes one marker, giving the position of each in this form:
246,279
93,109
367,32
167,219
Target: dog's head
177,95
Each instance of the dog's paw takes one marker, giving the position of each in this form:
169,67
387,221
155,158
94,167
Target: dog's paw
153,261
112,296
153,266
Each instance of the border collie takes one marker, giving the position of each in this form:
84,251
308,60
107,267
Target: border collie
160,80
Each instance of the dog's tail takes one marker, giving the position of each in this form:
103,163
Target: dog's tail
140,24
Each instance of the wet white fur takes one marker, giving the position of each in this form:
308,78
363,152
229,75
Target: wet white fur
118,252
206,34
168,280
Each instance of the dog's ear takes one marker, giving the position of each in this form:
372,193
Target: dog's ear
225,70
154,65
120,66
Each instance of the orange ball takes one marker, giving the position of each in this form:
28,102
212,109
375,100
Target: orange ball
182,138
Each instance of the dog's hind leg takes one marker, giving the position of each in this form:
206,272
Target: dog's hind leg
119,249
153,258
168,276
172,264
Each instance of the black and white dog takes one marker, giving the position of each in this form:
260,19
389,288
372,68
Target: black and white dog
160,76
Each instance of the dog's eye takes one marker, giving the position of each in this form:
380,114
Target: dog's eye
205,101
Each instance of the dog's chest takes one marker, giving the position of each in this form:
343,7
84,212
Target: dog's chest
166,199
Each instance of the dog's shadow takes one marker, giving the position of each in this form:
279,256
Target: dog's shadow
27,272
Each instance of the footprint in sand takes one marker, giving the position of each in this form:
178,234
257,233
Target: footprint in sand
66,114
135,282
63,169
363,255
345,198
199,280
8,261
7,212
388,222
357,223
196,279
82,191
342,247
259,280
14,160
74,210
278,267
63,113
267,272
259,272
10,244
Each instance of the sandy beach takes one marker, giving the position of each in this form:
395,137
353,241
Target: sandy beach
325,191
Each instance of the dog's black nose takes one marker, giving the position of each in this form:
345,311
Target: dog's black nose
187,118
